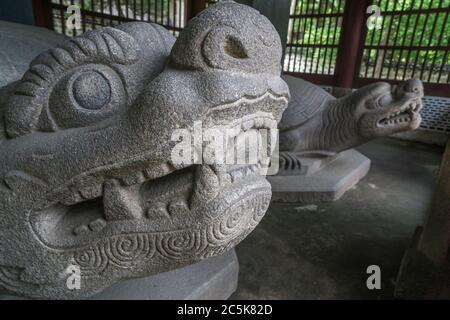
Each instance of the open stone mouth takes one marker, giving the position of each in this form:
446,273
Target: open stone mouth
145,201
404,115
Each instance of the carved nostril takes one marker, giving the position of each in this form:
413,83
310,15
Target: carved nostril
234,48
413,86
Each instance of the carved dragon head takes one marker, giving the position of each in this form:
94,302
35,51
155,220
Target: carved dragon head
85,158
386,109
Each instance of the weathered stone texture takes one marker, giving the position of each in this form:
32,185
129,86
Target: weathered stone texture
87,177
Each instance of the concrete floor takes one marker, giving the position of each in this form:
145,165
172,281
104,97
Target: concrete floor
322,250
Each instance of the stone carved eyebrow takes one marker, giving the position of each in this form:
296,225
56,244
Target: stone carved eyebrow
102,46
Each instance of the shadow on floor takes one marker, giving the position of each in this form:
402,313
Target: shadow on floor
322,250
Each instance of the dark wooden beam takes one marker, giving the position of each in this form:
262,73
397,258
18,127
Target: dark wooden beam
90,13
194,7
42,13
352,37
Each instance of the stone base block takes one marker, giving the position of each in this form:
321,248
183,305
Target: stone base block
327,184
212,279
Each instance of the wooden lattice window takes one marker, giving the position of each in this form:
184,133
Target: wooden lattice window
210,2
328,40
413,42
313,36
172,14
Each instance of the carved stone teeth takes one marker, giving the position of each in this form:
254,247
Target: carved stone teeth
157,210
234,131
119,202
223,176
134,178
94,226
97,225
226,177
91,192
55,196
72,199
236,175
246,125
80,230
178,206
270,123
159,171
259,123
206,184
243,172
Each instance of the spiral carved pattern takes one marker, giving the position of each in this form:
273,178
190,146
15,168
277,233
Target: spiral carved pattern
261,205
232,225
130,250
181,244
92,260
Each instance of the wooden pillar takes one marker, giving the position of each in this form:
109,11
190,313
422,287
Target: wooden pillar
42,14
352,37
194,7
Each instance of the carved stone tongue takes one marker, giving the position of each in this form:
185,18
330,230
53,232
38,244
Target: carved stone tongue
206,185
119,202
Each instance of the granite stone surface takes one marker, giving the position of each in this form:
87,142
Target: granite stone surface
214,278
19,45
89,189
326,180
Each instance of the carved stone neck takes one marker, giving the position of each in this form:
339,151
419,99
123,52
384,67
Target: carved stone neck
333,129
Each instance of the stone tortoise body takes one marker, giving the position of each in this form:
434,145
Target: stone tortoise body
87,177
315,121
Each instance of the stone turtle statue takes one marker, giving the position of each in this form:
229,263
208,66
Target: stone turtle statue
19,45
316,121
317,132
87,181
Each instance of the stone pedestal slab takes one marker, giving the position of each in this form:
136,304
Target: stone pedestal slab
328,183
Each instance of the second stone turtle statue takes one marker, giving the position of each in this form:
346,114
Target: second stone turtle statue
317,132
315,121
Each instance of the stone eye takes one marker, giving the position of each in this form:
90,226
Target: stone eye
91,90
234,48
85,96
385,100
